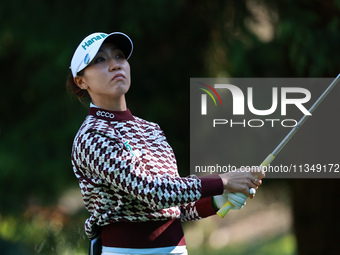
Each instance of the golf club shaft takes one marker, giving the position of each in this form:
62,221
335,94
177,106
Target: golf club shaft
305,117
225,209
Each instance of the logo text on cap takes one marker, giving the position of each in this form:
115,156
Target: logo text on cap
94,39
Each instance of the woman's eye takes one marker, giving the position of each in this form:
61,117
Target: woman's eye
120,55
99,59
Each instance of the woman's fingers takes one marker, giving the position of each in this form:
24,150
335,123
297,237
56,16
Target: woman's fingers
257,172
257,182
246,182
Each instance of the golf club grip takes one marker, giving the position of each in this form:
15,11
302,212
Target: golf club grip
225,209
268,160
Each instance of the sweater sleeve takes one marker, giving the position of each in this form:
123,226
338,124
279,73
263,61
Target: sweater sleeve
211,185
110,160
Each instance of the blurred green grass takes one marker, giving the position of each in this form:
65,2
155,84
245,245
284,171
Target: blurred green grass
47,232
39,236
262,228
278,245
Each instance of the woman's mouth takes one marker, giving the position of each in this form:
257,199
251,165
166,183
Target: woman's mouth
118,76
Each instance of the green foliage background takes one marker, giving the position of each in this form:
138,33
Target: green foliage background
174,40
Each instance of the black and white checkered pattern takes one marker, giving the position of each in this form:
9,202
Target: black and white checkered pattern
127,171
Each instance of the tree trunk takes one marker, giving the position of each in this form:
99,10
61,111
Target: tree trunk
316,221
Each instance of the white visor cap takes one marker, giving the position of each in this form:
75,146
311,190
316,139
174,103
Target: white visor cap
89,47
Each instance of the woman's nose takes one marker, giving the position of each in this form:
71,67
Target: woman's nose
114,65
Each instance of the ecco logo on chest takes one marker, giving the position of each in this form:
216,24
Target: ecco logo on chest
105,114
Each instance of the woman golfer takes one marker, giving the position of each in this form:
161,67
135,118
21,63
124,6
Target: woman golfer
126,169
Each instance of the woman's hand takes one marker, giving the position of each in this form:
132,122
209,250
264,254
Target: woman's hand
242,180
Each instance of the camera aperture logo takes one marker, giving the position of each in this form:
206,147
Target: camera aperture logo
204,97
301,96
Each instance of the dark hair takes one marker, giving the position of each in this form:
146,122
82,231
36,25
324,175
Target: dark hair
73,88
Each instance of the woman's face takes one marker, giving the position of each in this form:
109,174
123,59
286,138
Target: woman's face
107,77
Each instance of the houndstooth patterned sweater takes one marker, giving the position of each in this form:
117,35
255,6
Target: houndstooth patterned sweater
127,172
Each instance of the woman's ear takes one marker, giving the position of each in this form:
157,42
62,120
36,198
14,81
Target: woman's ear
79,80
